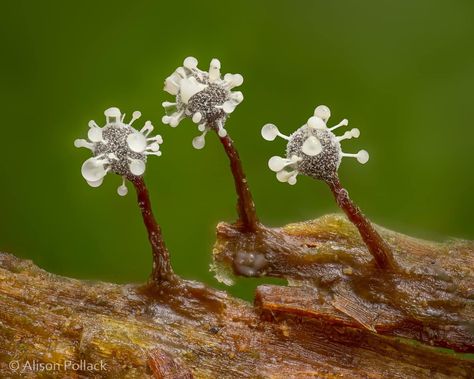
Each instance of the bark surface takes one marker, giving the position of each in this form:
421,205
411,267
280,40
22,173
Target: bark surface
342,317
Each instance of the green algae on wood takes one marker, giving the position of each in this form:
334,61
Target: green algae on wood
332,276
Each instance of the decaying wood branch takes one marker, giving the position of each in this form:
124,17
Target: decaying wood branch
184,329
429,297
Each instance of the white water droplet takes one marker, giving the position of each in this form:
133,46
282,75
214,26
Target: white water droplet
228,107
312,146
122,190
137,167
222,132
199,142
154,146
322,112
93,170
355,133
95,184
237,80
190,62
292,180
197,117
363,156
270,132
282,176
316,122
136,142
95,134
277,163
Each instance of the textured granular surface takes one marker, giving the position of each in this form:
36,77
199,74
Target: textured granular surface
115,137
322,166
206,101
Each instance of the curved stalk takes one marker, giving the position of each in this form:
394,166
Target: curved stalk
375,243
162,270
248,219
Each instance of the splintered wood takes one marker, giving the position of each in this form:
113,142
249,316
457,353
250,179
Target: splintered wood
332,277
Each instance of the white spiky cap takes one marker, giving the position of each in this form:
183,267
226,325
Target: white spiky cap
119,148
192,88
313,149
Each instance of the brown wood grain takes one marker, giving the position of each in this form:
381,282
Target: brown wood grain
184,329
332,276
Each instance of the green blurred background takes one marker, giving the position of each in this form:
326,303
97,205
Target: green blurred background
401,71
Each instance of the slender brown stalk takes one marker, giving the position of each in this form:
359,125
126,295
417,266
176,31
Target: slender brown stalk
162,270
245,205
375,243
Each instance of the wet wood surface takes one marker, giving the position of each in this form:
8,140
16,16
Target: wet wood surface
187,330
332,276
